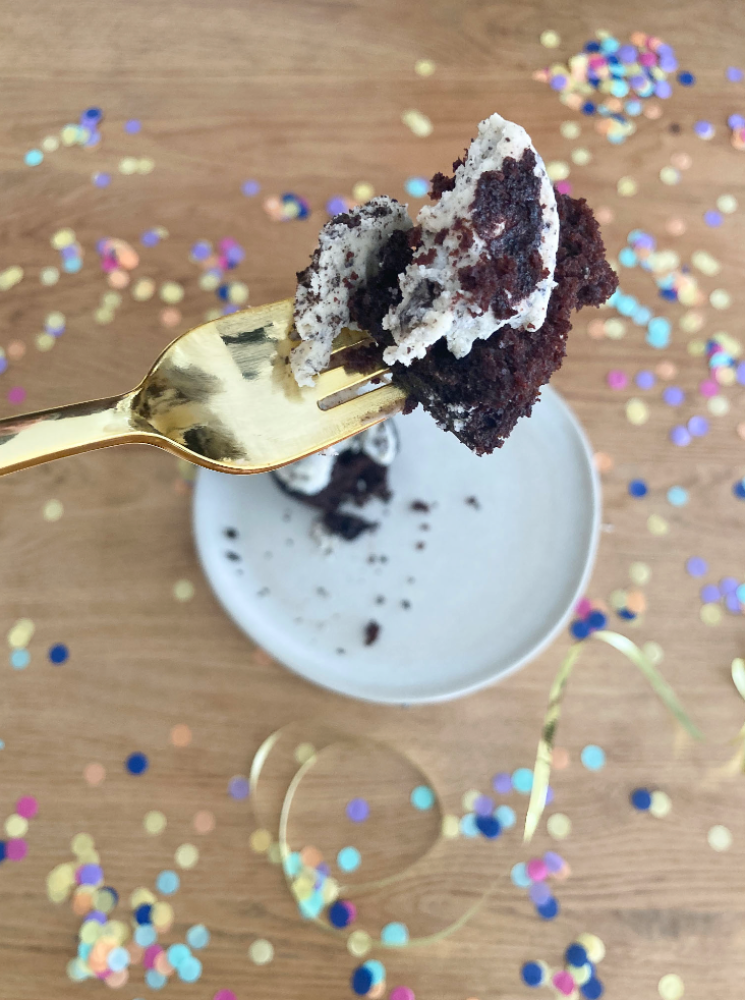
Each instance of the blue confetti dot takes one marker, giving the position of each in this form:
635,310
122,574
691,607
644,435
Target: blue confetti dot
522,780
592,990
339,915
488,826
588,108
59,653
628,616
638,488
198,936
250,188
713,218
133,126
739,489
593,757
137,763
20,659
167,883
422,797
686,79
641,799
395,934
71,265
597,620
361,981
143,913
348,859
2,850
33,158
580,629
677,496
118,959
658,332
506,816
417,187
102,179
548,910
532,974
576,955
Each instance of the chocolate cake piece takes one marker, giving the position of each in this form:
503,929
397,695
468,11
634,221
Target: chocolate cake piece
332,483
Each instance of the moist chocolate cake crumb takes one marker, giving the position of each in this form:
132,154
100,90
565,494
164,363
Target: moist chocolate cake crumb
405,604
481,396
473,502
420,545
231,533
372,631
420,505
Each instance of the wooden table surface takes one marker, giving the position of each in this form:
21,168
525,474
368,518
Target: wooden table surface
307,97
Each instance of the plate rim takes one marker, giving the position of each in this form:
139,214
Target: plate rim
203,554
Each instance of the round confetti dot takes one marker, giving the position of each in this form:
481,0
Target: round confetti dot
581,156
422,797
696,566
260,841
94,773
419,123
21,633
17,394
27,807
186,856
645,380
677,496
559,826
58,654
638,488
450,827
641,799
534,974
548,910
679,436
637,412
671,987
170,317
417,187
304,752
710,614
183,590
136,763
712,218
16,826
727,203
394,934
617,379
522,780
154,822
720,299
550,39
363,191
602,461
424,67
357,810
20,659
401,993
361,981
181,735
167,883
348,859
670,176
719,838
657,525
238,787
593,757
627,186
359,943
261,951
204,821
33,158
661,805
640,573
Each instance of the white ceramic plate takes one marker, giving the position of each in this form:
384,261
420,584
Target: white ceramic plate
492,586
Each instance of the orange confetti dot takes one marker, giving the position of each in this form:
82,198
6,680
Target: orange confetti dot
181,735
604,215
170,316
603,461
564,872
666,370
136,951
82,904
117,979
311,857
652,111
94,774
559,758
681,161
118,279
596,329
15,350
204,821
676,227
741,430
638,38
162,965
636,601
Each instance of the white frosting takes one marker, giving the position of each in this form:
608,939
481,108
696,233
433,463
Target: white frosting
346,258
312,474
454,314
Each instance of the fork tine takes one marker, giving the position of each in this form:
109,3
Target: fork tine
364,411
338,380
348,338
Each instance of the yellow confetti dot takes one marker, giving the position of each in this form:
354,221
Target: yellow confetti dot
718,406
711,614
90,932
49,276
329,890
186,856
581,156
696,348
44,342
570,130
141,895
359,943
640,573
671,987
21,633
162,916
50,143
143,289
691,322
661,804
302,887
208,282
154,822
727,204
720,298
617,599
469,799
653,652
593,946
559,826
261,952
304,752
424,67
550,39
450,827
557,170
657,525
419,123
238,293
53,510
103,316
145,165
16,826
703,261
111,299
670,176
183,590
627,186
10,277
69,135
82,843
128,165
637,412
63,238
260,841
614,328
171,292
363,191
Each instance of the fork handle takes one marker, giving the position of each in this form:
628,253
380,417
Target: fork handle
33,438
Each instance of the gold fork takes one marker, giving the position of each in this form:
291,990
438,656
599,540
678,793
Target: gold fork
221,395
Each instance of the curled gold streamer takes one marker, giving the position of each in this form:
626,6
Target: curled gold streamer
542,770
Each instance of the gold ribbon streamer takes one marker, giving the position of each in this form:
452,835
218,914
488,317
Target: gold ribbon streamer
542,770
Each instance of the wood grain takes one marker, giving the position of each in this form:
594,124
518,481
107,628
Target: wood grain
307,97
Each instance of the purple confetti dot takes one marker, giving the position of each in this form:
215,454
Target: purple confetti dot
698,426
238,787
736,121
645,380
3,365
483,806
89,874
734,74
668,64
150,238
539,893
703,129
133,126
663,89
16,850
680,436
627,53
554,862
728,584
201,250
733,603
323,869
250,188
102,180
740,372
712,218
336,205
673,395
696,566
98,916
502,783
549,795
357,810
645,241
558,82
710,593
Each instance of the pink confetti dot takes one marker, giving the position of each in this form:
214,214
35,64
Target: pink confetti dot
27,807
150,954
564,982
564,187
17,394
617,379
225,995
16,850
583,607
708,388
537,869
401,993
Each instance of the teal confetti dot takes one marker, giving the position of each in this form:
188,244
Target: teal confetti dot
376,970
198,936
519,875
20,659
177,954
395,934
312,907
118,959
33,158
423,797
145,935
155,980
468,826
190,970
2,744
658,332
677,496
293,864
627,257
348,859
522,780
167,883
417,187
593,757
506,816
